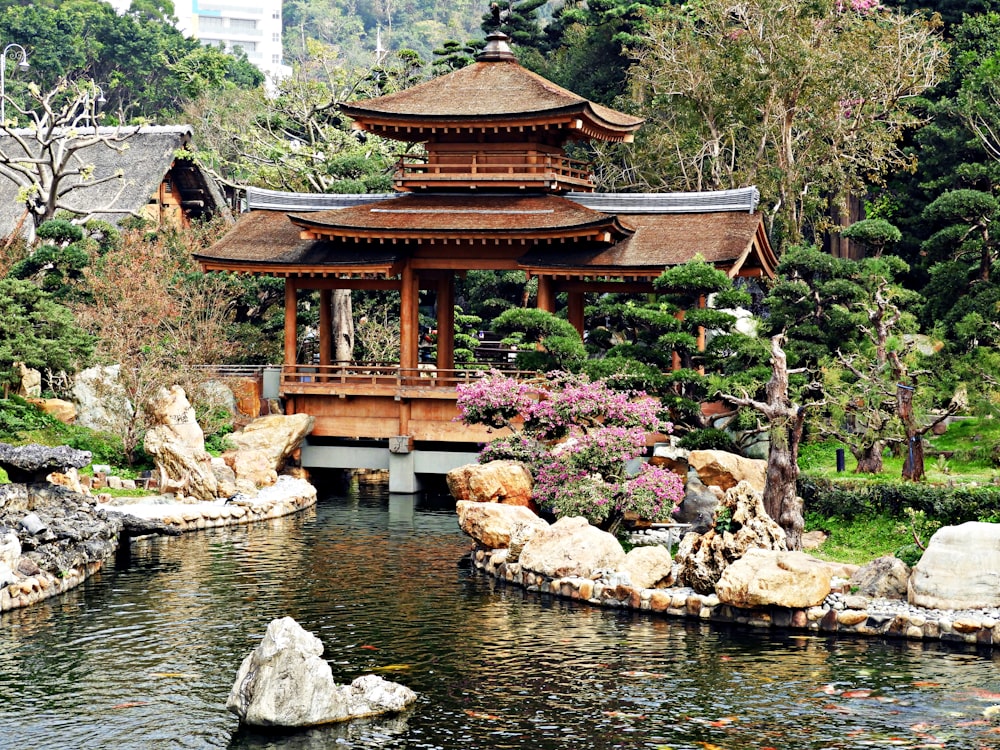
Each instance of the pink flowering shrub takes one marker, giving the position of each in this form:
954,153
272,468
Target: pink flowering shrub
862,7
493,400
653,494
598,429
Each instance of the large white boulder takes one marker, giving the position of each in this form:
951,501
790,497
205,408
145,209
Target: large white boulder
764,577
494,525
960,568
102,403
177,445
284,682
726,470
494,482
572,547
276,436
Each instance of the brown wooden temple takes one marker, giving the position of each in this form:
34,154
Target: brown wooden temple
494,191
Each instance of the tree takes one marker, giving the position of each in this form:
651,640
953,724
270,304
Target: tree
295,140
861,385
806,100
37,330
687,332
966,217
145,65
48,161
786,420
159,324
546,342
814,299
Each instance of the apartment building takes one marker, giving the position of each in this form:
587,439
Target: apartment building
254,27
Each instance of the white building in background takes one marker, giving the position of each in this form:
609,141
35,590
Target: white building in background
253,27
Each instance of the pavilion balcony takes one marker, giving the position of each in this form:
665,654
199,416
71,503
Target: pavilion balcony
486,170
426,381
384,401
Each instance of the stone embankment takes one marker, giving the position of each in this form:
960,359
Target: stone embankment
738,572
840,612
54,533
287,495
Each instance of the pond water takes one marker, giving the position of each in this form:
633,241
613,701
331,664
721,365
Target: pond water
144,654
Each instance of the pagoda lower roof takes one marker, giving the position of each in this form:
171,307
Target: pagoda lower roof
267,242
462,216
726,239
546,227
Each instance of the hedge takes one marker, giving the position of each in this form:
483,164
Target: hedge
948,504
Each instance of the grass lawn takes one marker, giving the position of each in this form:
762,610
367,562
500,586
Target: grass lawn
964,455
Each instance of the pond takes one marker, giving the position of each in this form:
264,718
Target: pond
144,654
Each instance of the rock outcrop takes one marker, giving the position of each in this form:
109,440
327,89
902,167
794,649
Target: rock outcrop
101,400
495,525
649,567
572,547
27,464
507,482
276,436
883,578
285,683
177,444
50,539
726,470
703,557
30,385
959,569
62,410
764,577
698,506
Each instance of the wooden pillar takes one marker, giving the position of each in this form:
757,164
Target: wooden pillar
291,321
325,332
446,323
574,311
546,294
409,319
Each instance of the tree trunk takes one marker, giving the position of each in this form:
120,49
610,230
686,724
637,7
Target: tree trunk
781,500
342,321
869,458
913,460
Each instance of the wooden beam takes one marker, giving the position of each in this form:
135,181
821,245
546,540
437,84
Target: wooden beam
325,327
620,287
546,294
574,311
446,323
291,309
334,283
409,318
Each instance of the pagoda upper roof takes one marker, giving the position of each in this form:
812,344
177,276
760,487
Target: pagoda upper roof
494,91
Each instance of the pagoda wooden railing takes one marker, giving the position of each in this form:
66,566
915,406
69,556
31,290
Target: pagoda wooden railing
473,166
384,379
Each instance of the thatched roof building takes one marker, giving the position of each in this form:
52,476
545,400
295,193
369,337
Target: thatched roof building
146,177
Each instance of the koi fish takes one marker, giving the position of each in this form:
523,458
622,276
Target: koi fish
480,715
131,704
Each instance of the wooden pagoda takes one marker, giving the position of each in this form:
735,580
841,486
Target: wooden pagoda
495,191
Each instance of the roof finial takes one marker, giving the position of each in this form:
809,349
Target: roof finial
496,49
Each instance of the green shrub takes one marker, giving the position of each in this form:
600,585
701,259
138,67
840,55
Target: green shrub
17,416
947,504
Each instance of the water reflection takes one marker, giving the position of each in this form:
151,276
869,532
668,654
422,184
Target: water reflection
144,655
